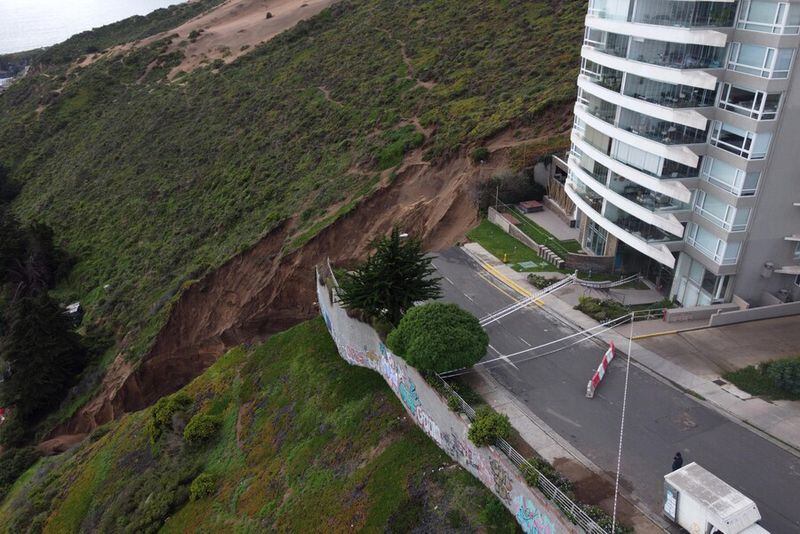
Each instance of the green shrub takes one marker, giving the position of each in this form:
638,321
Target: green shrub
201,428
480,155
163,412
541,282
602,310
785,374
439,337
488,426
454,404
549,472
202,486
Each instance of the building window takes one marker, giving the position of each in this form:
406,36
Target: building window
722,252
596,238
769,17
729,178
720,213
754,104
797,251
698,286
761,61
740,142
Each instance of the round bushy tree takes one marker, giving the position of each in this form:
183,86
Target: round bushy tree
439,337
488,426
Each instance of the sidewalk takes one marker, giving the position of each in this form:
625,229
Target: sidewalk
779,421
584,474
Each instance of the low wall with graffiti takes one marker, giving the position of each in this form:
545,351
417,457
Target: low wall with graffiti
360,345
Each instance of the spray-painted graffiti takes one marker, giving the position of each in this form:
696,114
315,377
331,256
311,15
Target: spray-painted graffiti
531,519
408,393
358,357
429,426
465,453
388,367
502,481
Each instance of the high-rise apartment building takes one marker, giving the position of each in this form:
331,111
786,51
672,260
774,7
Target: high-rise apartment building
685,157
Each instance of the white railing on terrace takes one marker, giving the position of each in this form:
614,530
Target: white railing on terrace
570,508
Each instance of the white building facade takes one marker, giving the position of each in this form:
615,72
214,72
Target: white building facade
685,156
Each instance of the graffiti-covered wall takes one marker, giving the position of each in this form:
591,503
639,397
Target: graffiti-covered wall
360,345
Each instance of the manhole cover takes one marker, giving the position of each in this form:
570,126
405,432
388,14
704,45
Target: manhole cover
720,382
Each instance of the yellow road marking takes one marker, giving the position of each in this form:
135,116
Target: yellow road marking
510,283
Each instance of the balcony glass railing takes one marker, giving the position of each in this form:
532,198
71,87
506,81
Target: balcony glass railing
594,200
668,133
607,43
589,166
662,53
635,226
644,197
685,14
666,12
677,55
640,160
667,94
602,76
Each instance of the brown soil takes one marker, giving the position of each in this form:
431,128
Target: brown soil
266,290
59,444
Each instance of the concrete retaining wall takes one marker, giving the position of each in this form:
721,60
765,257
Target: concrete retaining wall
755,314
585,262
678,315
360,345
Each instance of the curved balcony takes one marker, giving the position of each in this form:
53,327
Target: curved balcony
679,153
673,34
671,188
667,222
691,77
687,117
658,252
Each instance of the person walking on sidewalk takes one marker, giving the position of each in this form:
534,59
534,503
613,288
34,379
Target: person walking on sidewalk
677,462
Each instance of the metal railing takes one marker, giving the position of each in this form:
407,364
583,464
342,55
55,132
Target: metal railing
570,508
606,284
508,310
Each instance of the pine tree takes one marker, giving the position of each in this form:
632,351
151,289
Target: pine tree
392,279
43,356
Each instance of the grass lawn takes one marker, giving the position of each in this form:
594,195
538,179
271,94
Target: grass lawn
508,249
755,381
543,237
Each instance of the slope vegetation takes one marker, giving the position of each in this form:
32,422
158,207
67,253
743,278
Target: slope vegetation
300,442
368,108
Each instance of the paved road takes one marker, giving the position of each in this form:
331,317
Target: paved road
660,420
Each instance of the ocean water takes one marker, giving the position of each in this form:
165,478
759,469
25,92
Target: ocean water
29,24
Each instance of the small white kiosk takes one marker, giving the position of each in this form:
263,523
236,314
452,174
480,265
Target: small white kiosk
702,503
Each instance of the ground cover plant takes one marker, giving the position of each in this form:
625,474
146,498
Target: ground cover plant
304,441
775,380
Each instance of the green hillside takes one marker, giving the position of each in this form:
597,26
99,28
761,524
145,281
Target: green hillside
149,184
299,442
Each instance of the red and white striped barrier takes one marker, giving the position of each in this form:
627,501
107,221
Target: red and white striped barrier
594,382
